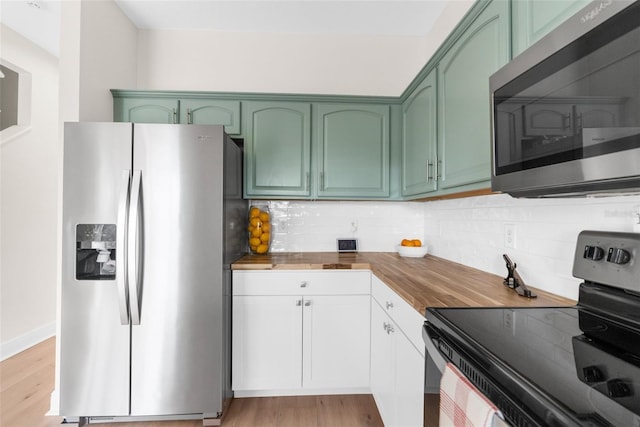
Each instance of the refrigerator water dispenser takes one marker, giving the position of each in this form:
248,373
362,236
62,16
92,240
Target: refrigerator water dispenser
95,252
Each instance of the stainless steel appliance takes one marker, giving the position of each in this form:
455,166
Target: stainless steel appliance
566,112
557,366
152,219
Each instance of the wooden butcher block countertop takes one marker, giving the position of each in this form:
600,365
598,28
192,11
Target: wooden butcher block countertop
422,282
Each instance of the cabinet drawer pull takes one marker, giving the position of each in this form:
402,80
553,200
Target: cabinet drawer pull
388,327
299,303
303,284
307,303
389,305
189,119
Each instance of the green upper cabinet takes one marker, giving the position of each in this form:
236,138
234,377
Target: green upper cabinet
200,110
533,19
352,148
145,110
277,149
464,148
211,112
419,139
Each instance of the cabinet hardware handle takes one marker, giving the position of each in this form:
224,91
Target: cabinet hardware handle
298,303
438,169
189,119
175,116
390,329
307,303
303,284
306,188
389,305
321,181
387,327
429,176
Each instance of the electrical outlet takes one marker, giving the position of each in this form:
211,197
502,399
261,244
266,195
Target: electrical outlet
510,236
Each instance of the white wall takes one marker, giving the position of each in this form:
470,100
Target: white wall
28,205
108,57
283,63
98,52
288,63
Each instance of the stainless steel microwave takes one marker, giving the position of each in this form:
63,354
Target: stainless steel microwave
566,112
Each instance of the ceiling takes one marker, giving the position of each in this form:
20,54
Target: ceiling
39,20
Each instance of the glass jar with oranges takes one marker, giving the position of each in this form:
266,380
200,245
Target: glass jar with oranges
259,228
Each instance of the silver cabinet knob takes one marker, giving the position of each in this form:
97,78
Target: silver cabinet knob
303,284
299,303
389,305
307,303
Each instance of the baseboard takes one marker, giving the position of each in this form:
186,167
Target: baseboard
23,342
301,392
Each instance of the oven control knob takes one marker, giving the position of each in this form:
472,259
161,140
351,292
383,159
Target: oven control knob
592,374
595,253
617,388
618,256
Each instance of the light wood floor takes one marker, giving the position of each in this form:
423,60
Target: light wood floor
27,380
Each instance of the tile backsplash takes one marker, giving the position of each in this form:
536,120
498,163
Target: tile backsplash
304,226
470,231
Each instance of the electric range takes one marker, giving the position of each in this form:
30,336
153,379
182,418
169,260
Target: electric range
557,366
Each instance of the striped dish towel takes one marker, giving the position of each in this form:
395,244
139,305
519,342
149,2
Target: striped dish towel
462,405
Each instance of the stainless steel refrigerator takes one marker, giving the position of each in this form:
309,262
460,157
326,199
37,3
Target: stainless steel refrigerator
153,217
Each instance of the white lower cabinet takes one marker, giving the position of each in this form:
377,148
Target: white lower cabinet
397,366
267,342
297,332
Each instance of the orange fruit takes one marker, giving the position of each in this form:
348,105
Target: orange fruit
264,216
256,232
406,242
262,249
266,227
254,212
255,222
417,242
255,241
264,237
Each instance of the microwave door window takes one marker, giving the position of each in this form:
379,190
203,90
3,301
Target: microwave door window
567,108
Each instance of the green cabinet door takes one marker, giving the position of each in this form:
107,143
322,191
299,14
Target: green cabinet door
533,19
464,139
211,112
277,149
419,139
352,150
143,110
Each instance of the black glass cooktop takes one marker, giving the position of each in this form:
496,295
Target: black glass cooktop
562,366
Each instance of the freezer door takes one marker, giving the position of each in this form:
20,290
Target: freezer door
94,344
177,347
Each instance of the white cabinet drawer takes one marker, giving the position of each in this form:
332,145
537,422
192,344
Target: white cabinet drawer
405,316
302,282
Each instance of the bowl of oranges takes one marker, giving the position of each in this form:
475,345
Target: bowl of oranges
412,248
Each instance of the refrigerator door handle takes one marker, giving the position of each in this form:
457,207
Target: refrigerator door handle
121,245
134,248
